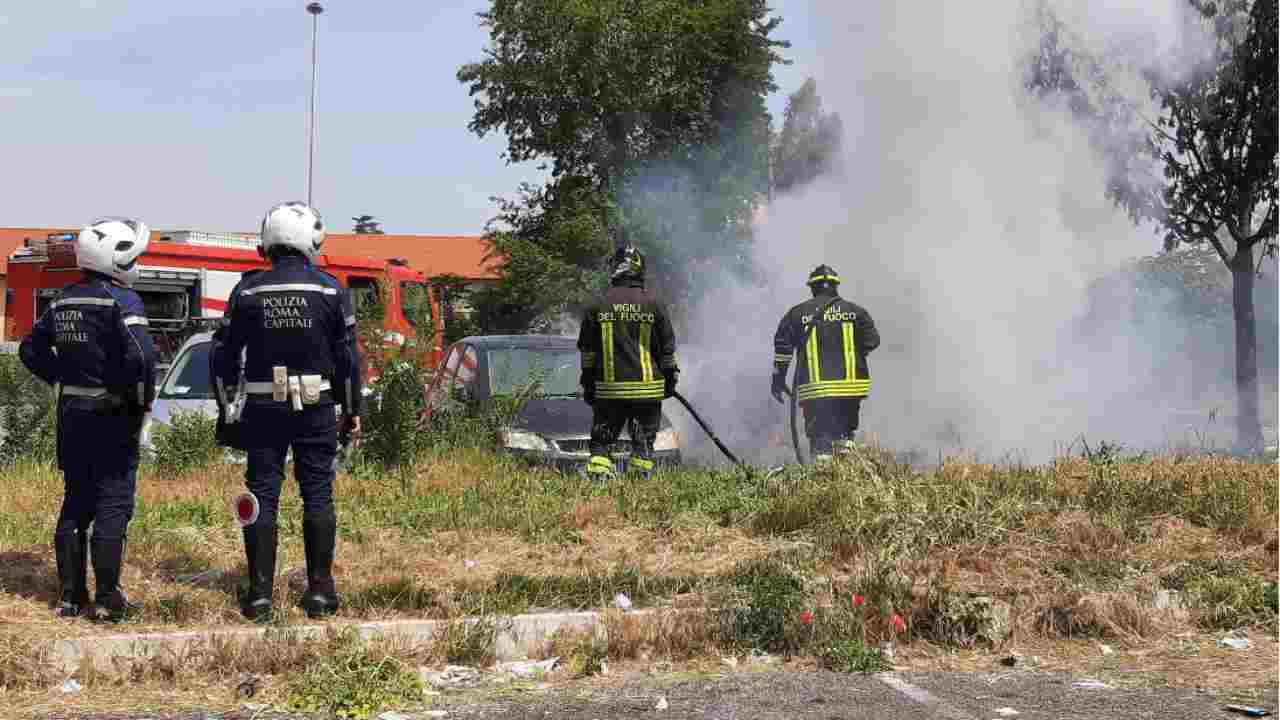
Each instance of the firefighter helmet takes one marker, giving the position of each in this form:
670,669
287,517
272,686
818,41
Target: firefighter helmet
627,264
112,246
293,225
823,274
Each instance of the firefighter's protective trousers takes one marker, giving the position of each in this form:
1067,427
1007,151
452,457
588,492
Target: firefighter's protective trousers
609,418
829,421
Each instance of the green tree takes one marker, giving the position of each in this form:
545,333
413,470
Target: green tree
809,144
550,241
1217,141
650,115
453,293
1205,169
1080,82
366,225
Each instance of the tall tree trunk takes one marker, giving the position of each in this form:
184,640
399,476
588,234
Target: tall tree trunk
1248,423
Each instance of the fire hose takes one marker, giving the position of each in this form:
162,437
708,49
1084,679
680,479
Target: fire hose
707,429
795,434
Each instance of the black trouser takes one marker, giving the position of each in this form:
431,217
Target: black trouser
610,416
270,429
98,453
830,420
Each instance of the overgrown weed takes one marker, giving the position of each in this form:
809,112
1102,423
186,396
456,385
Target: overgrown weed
352,679
1077,548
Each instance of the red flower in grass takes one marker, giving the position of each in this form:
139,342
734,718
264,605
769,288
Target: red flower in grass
899,625
806,618
858,600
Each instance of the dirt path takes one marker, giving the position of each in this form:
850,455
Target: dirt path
816,695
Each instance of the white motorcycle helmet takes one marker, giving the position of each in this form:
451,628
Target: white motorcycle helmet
112,246
294,225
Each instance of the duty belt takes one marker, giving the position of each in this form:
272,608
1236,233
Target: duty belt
265,388
96,397
87,392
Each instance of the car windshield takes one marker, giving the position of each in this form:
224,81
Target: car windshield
189,377
556,371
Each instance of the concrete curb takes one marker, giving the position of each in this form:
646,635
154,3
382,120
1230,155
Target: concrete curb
517,637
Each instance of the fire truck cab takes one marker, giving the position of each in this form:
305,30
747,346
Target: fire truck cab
187,277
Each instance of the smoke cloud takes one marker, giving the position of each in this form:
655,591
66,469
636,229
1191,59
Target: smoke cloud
970,220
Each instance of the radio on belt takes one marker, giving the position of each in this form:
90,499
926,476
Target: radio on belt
295,392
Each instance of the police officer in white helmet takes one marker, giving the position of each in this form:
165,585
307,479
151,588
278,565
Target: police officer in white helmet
92,345
296,327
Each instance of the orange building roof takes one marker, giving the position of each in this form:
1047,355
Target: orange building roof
461,255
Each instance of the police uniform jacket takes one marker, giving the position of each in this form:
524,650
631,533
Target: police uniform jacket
293,315
93,342
627,345
832,345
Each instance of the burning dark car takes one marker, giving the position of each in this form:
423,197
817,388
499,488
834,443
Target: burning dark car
554,425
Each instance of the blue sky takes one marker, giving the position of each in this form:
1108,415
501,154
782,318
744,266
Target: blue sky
196,118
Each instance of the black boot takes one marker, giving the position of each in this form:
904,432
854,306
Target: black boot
260,553
319,534
72,553
110,602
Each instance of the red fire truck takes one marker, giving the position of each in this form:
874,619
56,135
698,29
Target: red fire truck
186,278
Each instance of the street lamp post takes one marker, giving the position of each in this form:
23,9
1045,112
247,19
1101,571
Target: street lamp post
314,9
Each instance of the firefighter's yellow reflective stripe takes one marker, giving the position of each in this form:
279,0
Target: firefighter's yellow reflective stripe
599,465
825,278
606,346
641,393
850,361
813,356
638,390
588,360
646,359
646,395
640,463
833,388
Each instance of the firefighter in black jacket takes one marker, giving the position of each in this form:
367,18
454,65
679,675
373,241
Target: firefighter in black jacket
296,327
628,365
832,337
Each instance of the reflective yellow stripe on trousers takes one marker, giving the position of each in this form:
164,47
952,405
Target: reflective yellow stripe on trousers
606,345
646,360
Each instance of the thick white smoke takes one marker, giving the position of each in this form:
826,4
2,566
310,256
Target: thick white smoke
969,221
